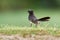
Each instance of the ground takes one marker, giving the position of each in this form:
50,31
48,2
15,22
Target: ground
29,33
14,25
32,37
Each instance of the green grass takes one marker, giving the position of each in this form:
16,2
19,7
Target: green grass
16,22
29,30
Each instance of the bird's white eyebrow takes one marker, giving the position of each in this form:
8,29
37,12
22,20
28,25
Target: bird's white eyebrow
30,10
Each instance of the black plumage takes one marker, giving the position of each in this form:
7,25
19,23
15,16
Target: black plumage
34,20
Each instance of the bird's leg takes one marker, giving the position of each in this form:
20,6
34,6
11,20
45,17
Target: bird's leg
30,24
36,25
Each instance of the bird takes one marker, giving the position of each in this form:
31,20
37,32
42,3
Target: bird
32,18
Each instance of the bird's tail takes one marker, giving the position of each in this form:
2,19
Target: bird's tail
44,19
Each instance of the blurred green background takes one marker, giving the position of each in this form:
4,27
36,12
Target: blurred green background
14,12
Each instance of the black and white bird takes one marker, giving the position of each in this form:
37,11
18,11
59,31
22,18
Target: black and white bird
32,18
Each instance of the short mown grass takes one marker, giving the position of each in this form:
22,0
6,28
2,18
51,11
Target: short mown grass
29,30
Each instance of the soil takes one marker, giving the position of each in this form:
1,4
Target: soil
28,37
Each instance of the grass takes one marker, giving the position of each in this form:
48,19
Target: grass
17,23
9,30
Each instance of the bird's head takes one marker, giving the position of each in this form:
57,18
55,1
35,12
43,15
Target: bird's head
30,11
